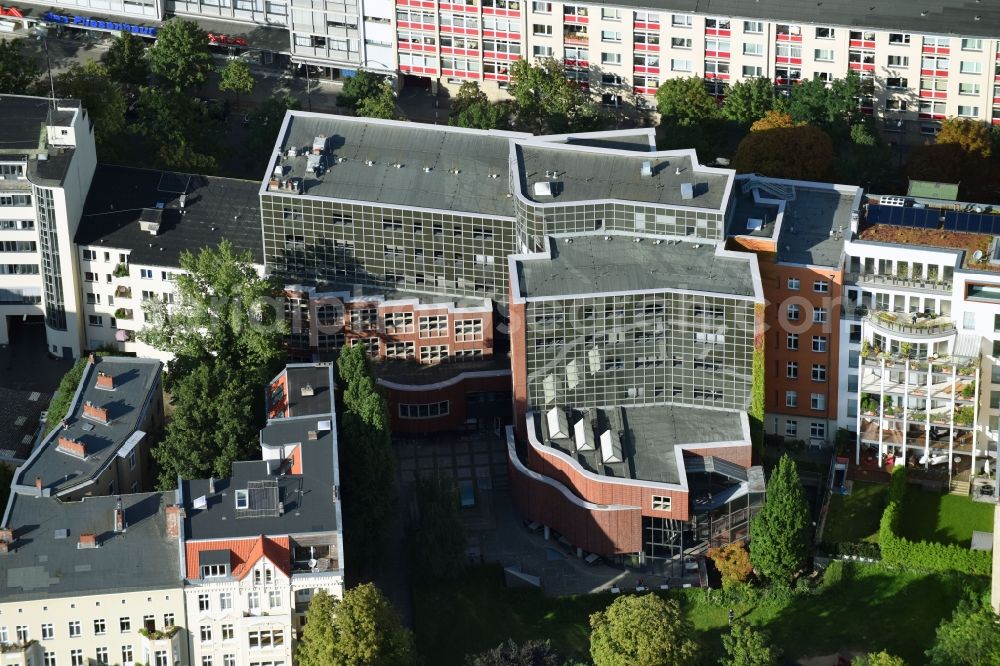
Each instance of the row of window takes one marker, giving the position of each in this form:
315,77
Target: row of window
818,371
817,401
225,601
101,656
820,315
817,429
818,342
75,628
426,411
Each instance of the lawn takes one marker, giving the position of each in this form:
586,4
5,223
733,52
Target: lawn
855,517
475,612
943,518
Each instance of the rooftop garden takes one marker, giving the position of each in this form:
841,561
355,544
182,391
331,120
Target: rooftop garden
955,240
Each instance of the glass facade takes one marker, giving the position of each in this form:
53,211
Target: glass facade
55,305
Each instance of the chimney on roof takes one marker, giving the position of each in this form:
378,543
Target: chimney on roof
87,540
105,381
119,517
307,391
4,547
6,535
211,485
38,486
312,435
175,514
66,445
92,411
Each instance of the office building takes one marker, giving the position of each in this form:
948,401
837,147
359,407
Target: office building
47,160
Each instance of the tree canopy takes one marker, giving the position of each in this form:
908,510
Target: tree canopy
780,533
92,84
472,108
126,61
882,658
732,562
366,459
315,648
685,101
748,646
972,135
179,130
180,56
529,653
17,70
801,153
438,537
265,122
642,631
382,104
544,101
367,631
748,100
968,638
363,85
236,77
832,104
773,119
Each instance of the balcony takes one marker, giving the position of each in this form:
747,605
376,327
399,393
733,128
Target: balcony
925,284
124,314
963,391
123,292
122,270
575,36
911,324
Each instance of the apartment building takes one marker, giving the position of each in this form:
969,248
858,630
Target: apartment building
47,160
91,574
135,225
257,546
919,331
798,231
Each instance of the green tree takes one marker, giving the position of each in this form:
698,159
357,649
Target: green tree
472,108
213,425
642,631
972,135
748,100
882,658
180,131
748,646
779,534
828,104
685,102
544,101
529,653
237,77
366,457
126,61
380,105
969,638
438,537
367,631
225,315
17,71
801,153
315,648
265,123
104,100
180,56
358,88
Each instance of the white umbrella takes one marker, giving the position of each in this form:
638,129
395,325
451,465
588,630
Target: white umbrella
986,467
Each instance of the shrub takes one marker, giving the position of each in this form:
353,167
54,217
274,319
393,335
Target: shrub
900,551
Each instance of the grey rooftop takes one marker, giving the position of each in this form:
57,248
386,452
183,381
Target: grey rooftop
586,173
648,436
480,158
23,120
955,17
386,293
214,209
590,264
44,564
135,379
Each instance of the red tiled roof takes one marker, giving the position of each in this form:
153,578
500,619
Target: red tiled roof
243,554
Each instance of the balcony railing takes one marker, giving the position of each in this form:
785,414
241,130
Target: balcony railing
898,281
911,323
123,292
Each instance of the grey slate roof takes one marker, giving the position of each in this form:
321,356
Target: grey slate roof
60,472
215,208
955,17
591,264
586,175
41,565
649,437
475,154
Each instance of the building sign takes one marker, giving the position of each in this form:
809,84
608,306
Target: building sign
87,22
225,40
13,12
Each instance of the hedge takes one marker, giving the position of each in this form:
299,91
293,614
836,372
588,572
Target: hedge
900,551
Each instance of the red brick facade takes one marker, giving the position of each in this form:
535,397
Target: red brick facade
455,393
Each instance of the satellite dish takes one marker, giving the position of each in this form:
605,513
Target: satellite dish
312,563
977,255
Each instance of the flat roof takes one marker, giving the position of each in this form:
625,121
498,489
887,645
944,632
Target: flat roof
360,292
307,499
649,437
585,173
23,120
134,380
42,565
480,157
934,17
214,209
591,264
927,189
412,373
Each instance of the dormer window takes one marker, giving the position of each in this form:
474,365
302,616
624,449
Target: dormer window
214,571
242,499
